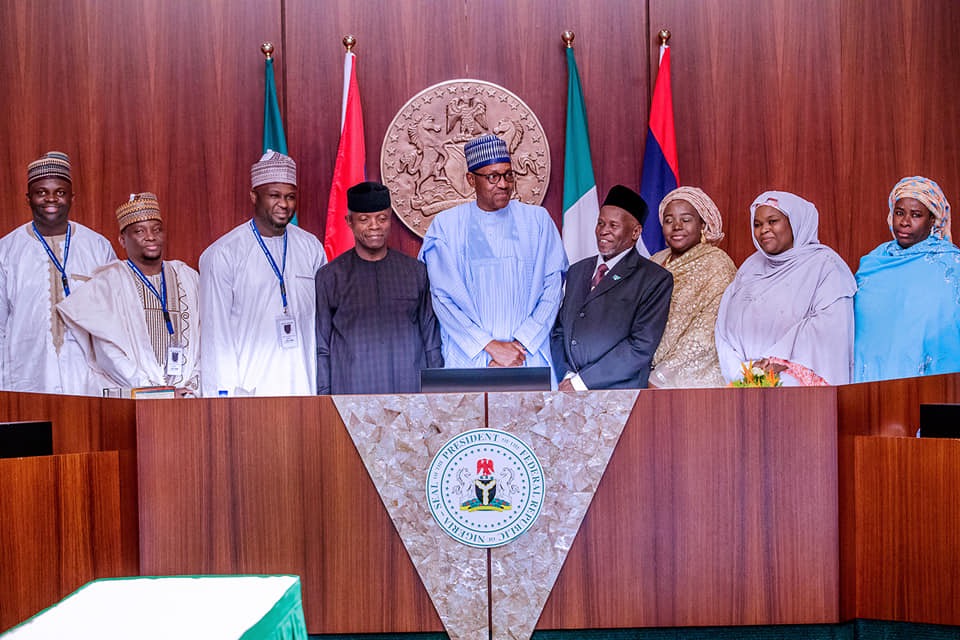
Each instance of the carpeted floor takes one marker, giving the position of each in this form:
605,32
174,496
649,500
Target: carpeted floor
856,630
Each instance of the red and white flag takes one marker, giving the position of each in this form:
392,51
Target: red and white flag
350,167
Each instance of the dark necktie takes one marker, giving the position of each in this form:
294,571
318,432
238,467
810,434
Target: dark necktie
598,276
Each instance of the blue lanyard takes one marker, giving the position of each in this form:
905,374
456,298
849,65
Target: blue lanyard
162,297
278,272
62,268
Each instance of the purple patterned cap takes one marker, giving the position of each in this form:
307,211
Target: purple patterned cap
487,149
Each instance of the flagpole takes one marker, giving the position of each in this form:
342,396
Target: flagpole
349,42
664,39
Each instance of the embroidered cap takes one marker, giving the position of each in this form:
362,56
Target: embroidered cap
487,149
140,207
52,164
273,167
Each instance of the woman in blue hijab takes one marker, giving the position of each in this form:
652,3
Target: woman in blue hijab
907,307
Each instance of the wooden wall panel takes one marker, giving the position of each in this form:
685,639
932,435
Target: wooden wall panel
163,96
905,516
757,102
835,101
900,114
892,407
61,525
405,47
718,516
275,486
402,48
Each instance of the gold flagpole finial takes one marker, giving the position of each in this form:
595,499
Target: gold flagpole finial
664,37
267,49
349,42
567,37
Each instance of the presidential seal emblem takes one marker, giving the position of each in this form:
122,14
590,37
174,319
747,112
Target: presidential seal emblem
422,160
485,487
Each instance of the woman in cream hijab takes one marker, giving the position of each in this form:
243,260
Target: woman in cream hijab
791,304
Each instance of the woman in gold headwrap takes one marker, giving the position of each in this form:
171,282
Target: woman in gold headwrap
687,355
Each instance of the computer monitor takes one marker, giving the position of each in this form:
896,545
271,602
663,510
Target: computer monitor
23,439
485,379
940,420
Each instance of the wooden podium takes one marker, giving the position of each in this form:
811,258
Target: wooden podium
718,507
899,507
71,517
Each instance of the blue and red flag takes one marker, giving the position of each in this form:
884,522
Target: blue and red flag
661,173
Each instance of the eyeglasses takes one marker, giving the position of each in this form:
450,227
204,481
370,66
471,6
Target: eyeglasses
494,178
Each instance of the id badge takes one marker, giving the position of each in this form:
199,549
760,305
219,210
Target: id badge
174,368
287,332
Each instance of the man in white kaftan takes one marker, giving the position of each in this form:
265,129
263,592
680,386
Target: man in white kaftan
496,269
257,295
37,353
119,317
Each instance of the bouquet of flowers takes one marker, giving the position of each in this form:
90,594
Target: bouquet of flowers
756,376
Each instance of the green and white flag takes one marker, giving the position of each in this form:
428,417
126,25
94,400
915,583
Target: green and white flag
273,136
580,203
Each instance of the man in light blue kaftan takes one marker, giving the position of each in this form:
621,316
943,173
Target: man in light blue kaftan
496,269
907,307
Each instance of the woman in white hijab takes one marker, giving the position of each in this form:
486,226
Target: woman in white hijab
790,306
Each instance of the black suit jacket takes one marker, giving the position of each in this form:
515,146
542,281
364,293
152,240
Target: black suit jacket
609,335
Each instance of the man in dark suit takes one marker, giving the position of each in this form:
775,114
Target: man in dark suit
615,306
